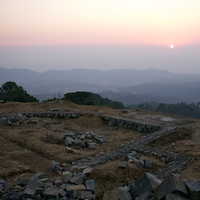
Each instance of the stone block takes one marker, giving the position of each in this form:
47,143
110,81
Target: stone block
66,176
76,180
147,183
140,163
58,182
62,192
69,141
144,196
173,183
29,193
90,185
51,192
55,166
123,165
35,184
148,164
194,189
24,182
91,145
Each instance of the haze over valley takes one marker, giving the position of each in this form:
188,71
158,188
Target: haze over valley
128,86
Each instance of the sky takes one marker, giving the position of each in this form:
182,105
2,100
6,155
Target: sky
100,34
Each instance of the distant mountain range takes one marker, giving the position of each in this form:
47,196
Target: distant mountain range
126,85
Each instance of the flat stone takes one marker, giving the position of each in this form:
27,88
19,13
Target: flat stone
116,194
88,170
173,183
144,196
75,169
71,150
75,187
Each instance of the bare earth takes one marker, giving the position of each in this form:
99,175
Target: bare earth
30,148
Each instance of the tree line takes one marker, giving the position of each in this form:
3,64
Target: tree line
10,91
184,109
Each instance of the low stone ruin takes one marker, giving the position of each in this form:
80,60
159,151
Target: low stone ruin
23,118
130,124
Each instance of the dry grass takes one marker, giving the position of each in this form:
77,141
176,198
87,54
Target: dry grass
30,148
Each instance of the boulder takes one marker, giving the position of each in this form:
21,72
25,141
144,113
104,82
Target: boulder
173,183
194,189
147,183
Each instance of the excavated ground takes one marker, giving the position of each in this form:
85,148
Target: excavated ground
30,148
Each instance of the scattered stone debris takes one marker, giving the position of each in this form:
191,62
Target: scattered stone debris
68,185
88,139
149,186
74,184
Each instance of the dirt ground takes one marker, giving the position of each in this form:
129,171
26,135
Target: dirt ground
29,148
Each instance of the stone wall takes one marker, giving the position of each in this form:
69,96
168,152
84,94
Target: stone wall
130,124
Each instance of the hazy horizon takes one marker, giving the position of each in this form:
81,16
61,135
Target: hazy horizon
182,59
106,34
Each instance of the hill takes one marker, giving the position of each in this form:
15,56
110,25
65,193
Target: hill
150,84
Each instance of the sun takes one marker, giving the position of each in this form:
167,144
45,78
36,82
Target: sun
171,46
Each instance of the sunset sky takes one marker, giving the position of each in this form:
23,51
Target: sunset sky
95,22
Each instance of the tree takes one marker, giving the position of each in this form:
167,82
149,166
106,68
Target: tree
10,91
89,98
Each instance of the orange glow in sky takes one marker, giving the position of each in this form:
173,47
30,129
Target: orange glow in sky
152,22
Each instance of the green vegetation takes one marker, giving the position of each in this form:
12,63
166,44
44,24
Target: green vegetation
89,98
189,110
10,91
